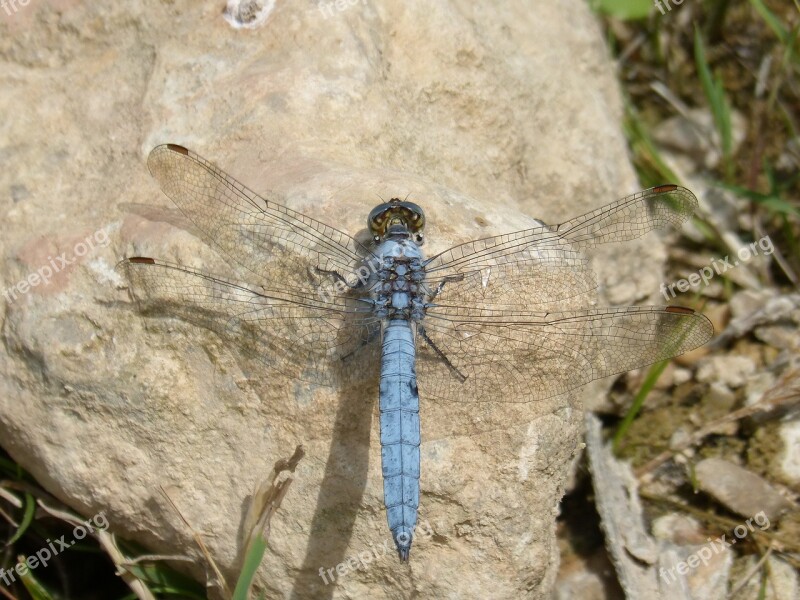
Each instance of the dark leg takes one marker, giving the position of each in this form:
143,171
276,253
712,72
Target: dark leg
444,281
371,337
335,274
340,278
442,355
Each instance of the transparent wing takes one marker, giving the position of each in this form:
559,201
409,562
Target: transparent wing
547,264
475,355
272,242
305,338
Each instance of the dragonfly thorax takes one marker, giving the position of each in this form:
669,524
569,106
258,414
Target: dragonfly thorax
399,290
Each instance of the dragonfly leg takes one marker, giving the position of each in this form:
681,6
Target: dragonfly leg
448,279
360,282
335,274
373,335
441,354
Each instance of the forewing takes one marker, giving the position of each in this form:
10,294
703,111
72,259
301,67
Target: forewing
273,243
519,356
301,337
544,265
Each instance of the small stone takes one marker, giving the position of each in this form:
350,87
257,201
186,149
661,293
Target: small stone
678,529
730,370
695,135
667,378
747,302
739,490
720,398
757,384
718,314
790,457
681,375
783,579
709,577
589,578
679,438
782,337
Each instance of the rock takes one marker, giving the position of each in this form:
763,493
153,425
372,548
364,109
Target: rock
720,399
706,568
783,310
782,337
678,529
757,384
739,490
718,402
781,579
790,457
746,302
729,370
695,135
489,115
784,583
588,578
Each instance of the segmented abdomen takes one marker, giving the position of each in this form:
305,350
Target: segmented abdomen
399,406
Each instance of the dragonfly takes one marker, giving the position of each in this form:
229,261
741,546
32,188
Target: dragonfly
480,322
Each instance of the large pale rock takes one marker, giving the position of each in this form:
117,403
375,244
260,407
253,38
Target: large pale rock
487,114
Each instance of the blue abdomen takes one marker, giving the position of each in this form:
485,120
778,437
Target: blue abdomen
399,406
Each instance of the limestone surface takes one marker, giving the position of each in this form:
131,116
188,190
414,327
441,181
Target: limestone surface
489,115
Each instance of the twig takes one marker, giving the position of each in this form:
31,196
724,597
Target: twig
783,392
750,573
774,540
200,544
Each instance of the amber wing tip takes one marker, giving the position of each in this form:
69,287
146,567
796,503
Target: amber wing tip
681,310
178,149
667,187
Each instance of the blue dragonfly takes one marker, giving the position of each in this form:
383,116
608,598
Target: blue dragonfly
479,322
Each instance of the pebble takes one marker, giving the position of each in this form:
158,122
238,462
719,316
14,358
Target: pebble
747,302
740,490
730,370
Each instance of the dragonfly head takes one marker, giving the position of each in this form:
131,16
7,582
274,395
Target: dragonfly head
396,218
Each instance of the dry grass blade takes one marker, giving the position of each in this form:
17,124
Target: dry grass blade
266,500
268,497
106,540
750,574
203,548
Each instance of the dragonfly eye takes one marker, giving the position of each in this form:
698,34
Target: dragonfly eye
395,214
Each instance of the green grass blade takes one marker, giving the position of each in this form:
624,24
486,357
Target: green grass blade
32,585
252,560
159,578
651,168
653,373
27,519
650,380
718,103
772,21
625,10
